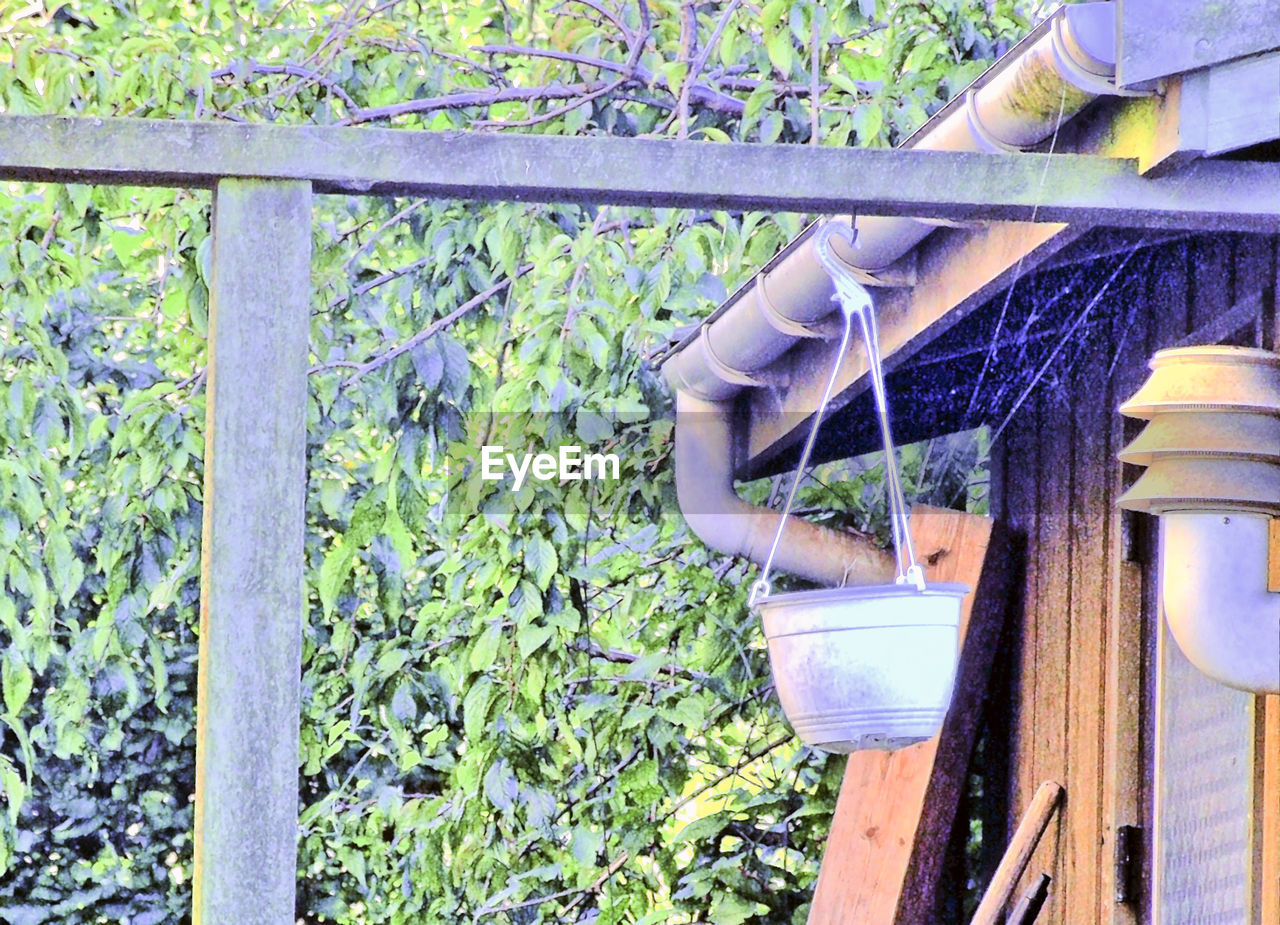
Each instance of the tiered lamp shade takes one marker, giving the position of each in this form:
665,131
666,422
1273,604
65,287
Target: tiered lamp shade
1214,438
1208,379
1206,433
1212,457
1185,483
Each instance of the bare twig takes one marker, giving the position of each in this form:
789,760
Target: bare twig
688,49
467,100
607,14
389,276
554,113
580,893
434,328
701,61
600,881
815,64
745,760
293,70
373,238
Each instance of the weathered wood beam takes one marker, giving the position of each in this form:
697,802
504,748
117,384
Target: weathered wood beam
251,605
643,172
895,810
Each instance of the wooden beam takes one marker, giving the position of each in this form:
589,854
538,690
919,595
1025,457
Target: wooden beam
896,809
643,172
981,642
1159,39
251,604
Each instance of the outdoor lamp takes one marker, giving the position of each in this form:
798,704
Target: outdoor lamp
1212,455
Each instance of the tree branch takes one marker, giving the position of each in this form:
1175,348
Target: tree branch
293,70
581,892
555,113
701,93
742,763
434,328
466,100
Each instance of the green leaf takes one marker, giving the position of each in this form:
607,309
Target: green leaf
729,909
391,661
332,495
337,567
781,52
14,789
485,650
475,708
530,639
541,561
702,828
17,681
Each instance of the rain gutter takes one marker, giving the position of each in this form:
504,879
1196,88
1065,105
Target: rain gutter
1064,64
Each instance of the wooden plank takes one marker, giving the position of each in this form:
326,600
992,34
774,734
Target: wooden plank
1021,452
1122,751
877,821
1022,847
251,607
1255,275
1122,772
1053,631
1212,271
1088,431
1269,871
643,172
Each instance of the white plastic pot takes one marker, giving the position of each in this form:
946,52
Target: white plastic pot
1213,572
869,666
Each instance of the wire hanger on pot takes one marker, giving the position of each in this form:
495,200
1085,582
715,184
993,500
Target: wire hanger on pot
854,300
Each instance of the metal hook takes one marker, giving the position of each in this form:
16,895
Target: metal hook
850,293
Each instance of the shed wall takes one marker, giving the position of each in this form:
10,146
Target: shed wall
1079,661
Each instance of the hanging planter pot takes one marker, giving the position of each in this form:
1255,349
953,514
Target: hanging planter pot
868,666
865,666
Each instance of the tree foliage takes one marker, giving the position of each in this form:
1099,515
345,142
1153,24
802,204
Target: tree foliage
548,705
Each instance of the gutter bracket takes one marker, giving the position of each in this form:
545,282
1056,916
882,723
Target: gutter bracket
723,370
989,143
1086,80
784,324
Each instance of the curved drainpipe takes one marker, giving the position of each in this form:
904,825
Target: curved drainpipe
1066,63
725,522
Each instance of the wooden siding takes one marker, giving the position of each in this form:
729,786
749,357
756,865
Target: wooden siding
1081,654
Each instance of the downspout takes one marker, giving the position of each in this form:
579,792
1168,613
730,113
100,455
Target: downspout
1066,63
725,522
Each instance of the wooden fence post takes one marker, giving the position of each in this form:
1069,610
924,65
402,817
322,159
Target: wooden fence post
251,600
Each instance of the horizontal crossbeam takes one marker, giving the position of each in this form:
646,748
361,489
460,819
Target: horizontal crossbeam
1209,195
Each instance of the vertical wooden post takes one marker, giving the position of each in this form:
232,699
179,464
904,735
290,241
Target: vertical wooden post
251,603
